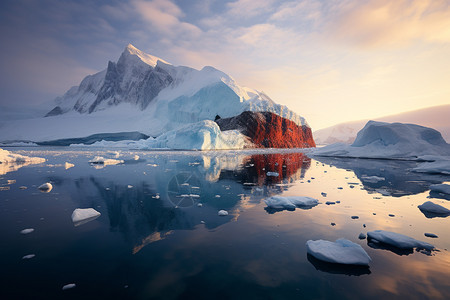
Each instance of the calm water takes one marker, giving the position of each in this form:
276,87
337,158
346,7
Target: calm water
153,241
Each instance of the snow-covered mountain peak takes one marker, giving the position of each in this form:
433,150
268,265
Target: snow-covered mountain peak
150,60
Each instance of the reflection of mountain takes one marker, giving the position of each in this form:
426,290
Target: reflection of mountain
396,179
147,202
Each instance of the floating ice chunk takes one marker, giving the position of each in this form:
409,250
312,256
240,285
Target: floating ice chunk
362,236
136,157
397,240
22,187
440,188
330,202
113,154
29,256
46,187
68,165
69,286
105,161
341,252
223,213
354,217
431,235
199,204
372,179
279,202
323,194
273,174
431,209
129,186
27,231
436,167
83,215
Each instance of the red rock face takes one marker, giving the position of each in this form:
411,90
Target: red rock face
269,130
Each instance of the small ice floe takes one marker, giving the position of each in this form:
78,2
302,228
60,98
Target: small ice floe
362,236
372,179
431,235
68,165
217,196
291,202
440,188
69,286
29,256
330,202
338,201
333,224
222,213
81,216
273,174
323,194
339,187
199,204
136,157
202,222
22,187
432,210
27,231
340,252
113,154
99,160
391,215
354,217
46,187
398,240
129,186
11,181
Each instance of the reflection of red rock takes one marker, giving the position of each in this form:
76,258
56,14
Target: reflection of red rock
286,165
269,130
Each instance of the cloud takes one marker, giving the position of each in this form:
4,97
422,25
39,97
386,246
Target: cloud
379,23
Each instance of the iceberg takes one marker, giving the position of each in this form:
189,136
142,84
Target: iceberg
390,141
46,187
203,135
10,161
105,161
83,215
440,188
397,240
342,251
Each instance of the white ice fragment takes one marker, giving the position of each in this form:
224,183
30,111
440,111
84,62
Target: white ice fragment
291,202
136,157
129,186
46,187
222,213
27,231
199,205
273,174
83,215
433,208
217,196
105,161
29,256
68,165
342,252
69,286
398,240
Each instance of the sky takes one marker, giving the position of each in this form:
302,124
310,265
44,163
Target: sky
330,61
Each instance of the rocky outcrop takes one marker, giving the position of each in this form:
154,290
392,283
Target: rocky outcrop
268,130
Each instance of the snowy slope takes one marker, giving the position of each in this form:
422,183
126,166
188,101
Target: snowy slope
391,141
143,93
437,117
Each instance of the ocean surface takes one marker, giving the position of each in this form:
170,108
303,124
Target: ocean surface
159,235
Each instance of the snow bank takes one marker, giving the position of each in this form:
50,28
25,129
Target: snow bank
105,161
279,202
203,135
83,215
434,209
397,240
390,141
341,252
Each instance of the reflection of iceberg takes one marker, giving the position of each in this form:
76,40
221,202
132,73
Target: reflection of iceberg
398,179
350,270
168,186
